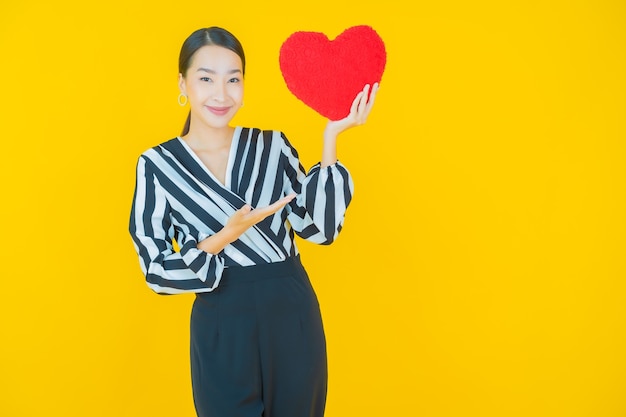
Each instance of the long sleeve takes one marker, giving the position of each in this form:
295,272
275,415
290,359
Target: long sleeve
152,229
317,214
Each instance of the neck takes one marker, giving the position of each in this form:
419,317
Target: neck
209,137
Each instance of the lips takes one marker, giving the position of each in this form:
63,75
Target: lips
218,111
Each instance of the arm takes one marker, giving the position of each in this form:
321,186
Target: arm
324,193
317,213
238,223
167,271
359,112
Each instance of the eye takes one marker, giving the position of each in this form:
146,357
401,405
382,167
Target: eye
207,79
234,80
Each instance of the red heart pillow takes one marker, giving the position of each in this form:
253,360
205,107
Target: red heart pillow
326,75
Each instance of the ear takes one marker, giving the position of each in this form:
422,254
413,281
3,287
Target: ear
182,85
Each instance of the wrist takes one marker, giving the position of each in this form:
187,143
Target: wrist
228,235
217,242
330,133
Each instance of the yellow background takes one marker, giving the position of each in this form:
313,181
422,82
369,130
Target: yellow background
481,268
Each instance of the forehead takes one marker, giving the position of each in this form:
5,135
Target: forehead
216,58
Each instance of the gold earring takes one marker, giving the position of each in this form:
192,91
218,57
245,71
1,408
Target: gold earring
180,102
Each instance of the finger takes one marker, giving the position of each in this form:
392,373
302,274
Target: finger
355,103
370,102
274,207
277,205
361,111
372,97
363,101
290,197
242,214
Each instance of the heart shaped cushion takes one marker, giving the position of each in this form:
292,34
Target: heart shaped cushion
326,75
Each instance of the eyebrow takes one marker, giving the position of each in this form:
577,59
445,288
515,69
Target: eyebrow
210,71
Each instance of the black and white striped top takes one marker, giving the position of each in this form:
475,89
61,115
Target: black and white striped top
178,199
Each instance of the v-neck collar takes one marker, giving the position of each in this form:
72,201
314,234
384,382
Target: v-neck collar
192,163
229,163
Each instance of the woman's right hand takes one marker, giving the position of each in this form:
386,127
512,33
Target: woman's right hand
238,223
246,217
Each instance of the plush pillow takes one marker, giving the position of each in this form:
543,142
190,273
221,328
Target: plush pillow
325,74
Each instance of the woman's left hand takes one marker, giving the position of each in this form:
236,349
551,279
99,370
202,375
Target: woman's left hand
359,111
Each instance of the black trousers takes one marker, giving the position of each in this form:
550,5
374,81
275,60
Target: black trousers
257,345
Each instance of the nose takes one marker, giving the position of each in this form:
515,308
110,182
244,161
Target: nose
219,92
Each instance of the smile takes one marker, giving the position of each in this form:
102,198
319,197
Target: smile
219,111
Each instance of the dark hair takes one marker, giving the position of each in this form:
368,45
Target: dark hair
202,37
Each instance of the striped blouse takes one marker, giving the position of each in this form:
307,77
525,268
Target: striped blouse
177,199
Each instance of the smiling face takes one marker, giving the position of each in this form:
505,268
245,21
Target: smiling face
214,85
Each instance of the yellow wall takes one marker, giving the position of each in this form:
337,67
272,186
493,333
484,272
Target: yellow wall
481,268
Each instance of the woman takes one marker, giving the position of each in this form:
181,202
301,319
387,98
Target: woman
232,199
